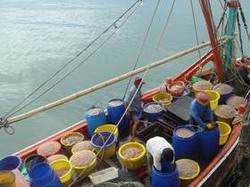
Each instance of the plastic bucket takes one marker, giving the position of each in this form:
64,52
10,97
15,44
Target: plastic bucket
209,143
164,99
108,128
95,117
49,148
42,175
206,85
32,160
68,146
67,178
132,163
152,115
84,145
86,169
176,91
224,90
116,109
225,131
186,147
56,157
105,141
214,98
225,113
10,163
164,179
7,179
191,163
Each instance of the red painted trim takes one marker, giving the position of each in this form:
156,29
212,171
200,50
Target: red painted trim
236,131
32,149
193,69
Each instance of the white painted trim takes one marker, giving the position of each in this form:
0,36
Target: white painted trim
53,135
219,163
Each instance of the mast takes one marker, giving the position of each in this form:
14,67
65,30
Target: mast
207,13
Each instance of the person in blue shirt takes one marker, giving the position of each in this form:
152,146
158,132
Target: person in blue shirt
200,111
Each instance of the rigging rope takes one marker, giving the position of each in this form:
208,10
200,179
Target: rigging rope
222,18
240,35
77,65
195,27
113,24
166,24
143,44
244,22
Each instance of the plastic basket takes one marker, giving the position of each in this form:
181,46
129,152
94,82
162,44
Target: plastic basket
225,131
163,98
132,163
214,98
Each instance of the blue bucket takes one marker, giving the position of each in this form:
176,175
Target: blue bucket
42,175
105,142
116,109
209,143
159,179
95,118
10,163
32,160
186,147
152,116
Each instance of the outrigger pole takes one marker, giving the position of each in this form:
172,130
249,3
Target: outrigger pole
110,82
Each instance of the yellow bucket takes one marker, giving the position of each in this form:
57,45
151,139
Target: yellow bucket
196,88
53,158
214,98
163,98
225,131
108,128
132,163
67,178
7,178
84,170
69,145
192,164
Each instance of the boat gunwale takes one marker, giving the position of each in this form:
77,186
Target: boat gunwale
147,96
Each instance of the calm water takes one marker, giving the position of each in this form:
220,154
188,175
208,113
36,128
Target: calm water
37,36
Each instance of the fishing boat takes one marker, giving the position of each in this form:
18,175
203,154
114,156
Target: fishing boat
225,66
